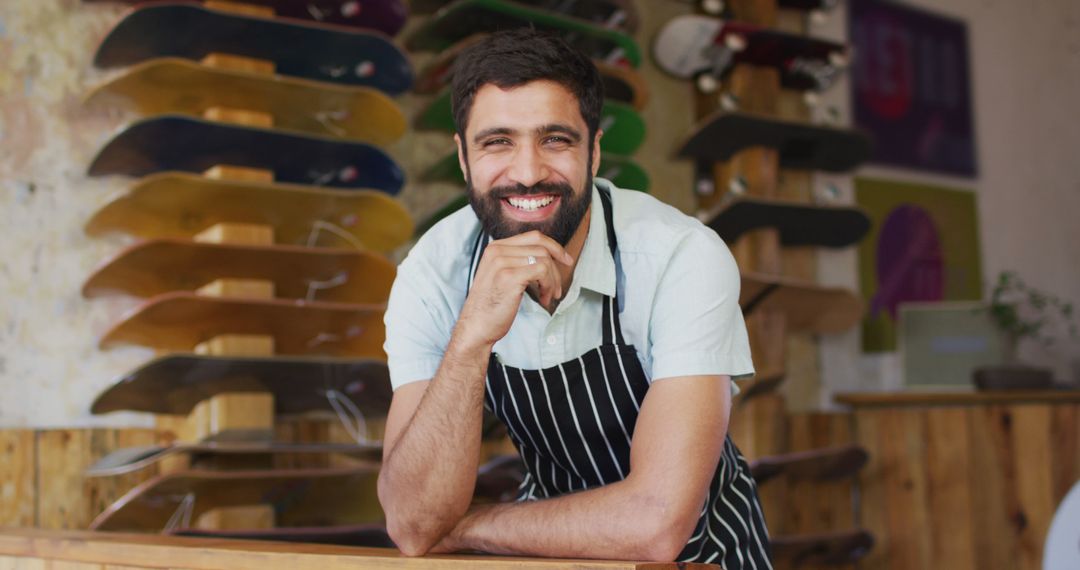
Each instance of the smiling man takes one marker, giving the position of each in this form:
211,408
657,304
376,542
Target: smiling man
600,325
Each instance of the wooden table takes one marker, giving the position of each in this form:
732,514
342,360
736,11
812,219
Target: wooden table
25,549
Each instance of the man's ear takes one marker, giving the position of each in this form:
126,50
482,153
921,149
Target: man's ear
460,153
596,152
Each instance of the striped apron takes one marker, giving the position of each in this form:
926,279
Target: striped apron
573,424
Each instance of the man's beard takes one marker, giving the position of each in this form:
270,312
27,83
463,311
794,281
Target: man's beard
559,227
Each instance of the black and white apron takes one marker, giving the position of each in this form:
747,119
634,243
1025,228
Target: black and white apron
573,424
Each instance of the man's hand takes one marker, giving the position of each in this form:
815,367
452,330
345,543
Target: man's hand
509,267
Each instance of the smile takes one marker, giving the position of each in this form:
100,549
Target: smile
530,204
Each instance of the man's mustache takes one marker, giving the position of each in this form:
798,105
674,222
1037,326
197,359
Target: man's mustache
558,189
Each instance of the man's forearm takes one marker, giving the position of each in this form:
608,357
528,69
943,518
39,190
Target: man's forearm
617,521
427,479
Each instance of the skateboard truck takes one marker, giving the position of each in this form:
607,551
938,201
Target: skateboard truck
721,57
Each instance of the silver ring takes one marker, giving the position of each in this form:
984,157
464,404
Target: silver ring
532,260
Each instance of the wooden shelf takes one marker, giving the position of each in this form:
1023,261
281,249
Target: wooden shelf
156,551
956,398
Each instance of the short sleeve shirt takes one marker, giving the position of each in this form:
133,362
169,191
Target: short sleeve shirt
677,284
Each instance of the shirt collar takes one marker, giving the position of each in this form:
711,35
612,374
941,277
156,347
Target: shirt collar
596,268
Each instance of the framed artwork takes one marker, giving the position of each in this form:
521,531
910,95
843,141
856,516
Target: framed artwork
923,247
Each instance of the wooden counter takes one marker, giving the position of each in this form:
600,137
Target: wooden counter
25,549
964,480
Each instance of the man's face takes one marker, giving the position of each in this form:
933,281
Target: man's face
528,161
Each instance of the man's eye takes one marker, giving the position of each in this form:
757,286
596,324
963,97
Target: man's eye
492,142
556,139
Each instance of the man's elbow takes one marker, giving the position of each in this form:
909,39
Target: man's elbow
666,538
410,541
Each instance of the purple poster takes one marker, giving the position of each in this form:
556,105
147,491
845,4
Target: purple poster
911,87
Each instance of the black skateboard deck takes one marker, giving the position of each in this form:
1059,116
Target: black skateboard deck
154,267
498,480
464,18
188,144
179,205
301,49
366,535
174,384
132,459
800,146
614,14
799,224
808,307
761,384
386,16
300,497
181,320
815,465
831,548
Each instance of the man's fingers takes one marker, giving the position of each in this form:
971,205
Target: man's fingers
536,238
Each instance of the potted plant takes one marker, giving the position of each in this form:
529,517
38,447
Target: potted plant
1023,313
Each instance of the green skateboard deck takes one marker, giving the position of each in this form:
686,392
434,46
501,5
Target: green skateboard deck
177,205
179,86
150,268
133,459
174,384
464,18
620,170
624,129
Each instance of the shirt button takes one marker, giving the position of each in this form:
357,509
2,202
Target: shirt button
552,340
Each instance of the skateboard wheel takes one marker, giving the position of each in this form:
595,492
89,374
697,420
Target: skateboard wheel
818,17
737,186
713,7
350,9
735,42
839,59
705,187
365,69
707,83
729,102
811,99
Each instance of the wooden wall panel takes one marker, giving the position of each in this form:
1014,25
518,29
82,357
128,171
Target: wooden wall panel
948,491
18,461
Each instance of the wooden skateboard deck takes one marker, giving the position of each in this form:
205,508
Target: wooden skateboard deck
132,459
624,129
801,146
367,535
615,14
620,170
832,548
464,18
300,497
174,384
313,51
799,224
154,267
178,206
386,16
808,307
621,84
188,144
815,465
178,86
181,320
692,45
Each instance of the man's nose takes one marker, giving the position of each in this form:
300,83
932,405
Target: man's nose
528,166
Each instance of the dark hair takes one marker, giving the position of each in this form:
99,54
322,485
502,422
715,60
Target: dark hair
512,58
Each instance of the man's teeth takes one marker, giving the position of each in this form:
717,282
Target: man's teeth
530,204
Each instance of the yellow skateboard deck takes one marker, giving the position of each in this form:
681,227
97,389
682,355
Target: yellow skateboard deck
154,267
807,306
173,85
179,321
178,205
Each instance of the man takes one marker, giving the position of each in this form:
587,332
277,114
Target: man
600,325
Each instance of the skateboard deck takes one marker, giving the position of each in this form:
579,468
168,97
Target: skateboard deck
816,465
763,383
189,144
622,84
799,224
801,146
174,384
386,16
831,548
808,307
692,45
133,459
154,267
313,51
498,480
614,14
624,129
366,535
179,321
620,170
300,497
464,18
179,206
178,86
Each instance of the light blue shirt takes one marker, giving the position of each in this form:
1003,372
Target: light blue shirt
678,290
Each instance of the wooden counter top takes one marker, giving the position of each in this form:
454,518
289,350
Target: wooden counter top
157,551
967,398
